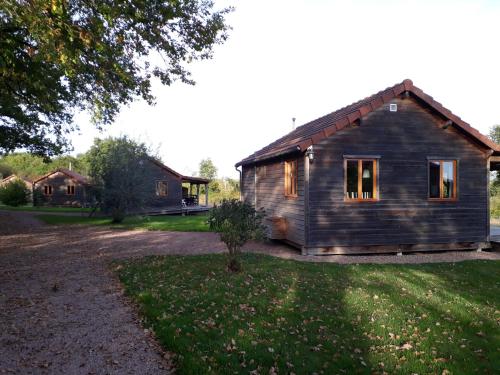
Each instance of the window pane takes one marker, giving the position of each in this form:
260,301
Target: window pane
352,179
448,179
434,179
293,177
367,179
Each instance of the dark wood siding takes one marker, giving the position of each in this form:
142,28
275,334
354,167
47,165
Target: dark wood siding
173,199
271,195
404,215
59,182
248,184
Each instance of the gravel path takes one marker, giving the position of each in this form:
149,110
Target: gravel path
62,311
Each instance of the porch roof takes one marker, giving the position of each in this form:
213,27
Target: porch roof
195,180
495,162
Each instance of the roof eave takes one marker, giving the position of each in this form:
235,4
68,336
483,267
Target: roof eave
273,155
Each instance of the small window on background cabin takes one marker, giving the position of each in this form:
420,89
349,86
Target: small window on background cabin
161,188
47,190
291,178
442,179
361,179
70,189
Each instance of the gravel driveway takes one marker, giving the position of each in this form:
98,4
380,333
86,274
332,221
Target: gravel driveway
62,311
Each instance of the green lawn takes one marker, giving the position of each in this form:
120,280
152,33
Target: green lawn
307,318
191,223
44,209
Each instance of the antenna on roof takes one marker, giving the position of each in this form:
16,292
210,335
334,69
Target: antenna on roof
293,122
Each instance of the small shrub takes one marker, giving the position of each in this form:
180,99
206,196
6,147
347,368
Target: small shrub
236,222
15,193
495,206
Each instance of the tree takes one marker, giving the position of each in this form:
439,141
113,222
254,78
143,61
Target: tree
208,169
5,170
60,56
15,193
116,166
495,133
33,166
237,222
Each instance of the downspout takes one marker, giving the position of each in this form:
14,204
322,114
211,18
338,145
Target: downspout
307,173
255,186
488,172
241,180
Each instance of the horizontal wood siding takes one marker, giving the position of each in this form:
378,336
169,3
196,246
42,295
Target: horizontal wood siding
271,197
59,182
173,199
248,185
404,140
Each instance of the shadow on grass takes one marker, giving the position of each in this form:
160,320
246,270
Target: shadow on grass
286,316
275,316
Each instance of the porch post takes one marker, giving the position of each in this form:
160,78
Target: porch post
198,193
206,195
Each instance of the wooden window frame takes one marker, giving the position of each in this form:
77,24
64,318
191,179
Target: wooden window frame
360,180
158,190
48,188
291,184
454,198
70,191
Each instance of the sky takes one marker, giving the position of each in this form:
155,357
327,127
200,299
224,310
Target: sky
307,58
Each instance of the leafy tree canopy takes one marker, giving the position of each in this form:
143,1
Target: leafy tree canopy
117,167
63,55
208,169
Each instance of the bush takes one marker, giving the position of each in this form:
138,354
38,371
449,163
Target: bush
15,193
495,206
236,222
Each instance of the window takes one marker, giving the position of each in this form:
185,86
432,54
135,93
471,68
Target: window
360,179
443,179
291,178
47,190
70,189
161,188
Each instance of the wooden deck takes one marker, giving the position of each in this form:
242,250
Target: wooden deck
495,233
178,210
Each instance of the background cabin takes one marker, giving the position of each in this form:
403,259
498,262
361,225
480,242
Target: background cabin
172,192
394,172
62,187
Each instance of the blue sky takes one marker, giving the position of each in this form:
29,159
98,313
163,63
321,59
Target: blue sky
304,59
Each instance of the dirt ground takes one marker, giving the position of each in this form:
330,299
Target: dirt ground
63,312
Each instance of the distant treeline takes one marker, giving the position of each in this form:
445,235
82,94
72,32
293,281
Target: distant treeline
31,166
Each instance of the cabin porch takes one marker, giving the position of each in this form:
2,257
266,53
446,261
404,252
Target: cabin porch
191,192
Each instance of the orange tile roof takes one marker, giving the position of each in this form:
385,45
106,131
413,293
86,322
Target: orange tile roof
76,176
306,135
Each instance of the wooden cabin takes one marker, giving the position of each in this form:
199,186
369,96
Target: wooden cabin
394,172
62,187
14,177
172,192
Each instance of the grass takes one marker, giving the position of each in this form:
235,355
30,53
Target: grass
44,209
282,316
191,223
